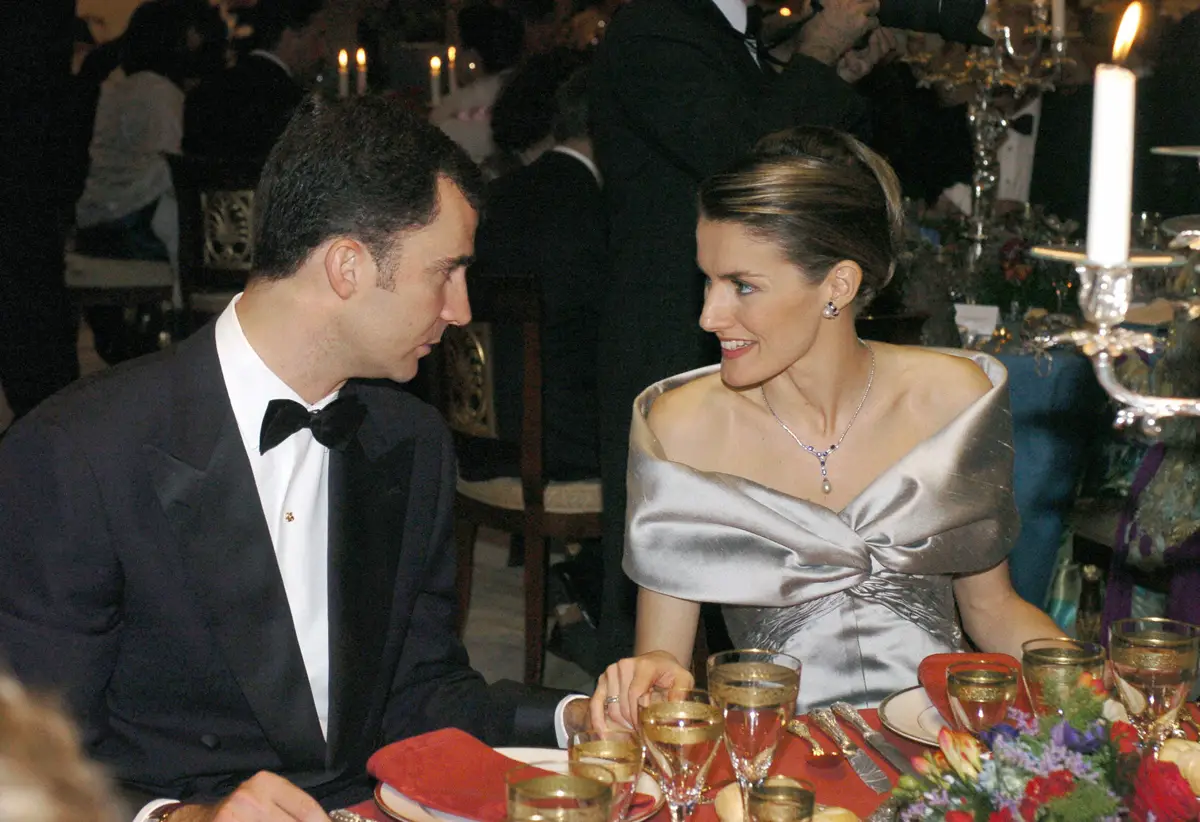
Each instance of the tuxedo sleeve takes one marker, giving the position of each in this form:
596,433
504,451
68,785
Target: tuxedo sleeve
681,95
435,686
60,580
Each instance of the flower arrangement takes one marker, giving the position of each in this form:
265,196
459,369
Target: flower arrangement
1085,764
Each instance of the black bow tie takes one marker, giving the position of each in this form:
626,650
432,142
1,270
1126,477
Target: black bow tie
1022,125
333,426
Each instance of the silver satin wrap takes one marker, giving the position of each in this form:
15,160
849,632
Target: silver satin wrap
860,596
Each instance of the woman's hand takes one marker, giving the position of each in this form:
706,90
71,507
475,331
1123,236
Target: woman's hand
617,691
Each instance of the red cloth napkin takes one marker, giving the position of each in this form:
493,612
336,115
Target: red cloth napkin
447,770
932,675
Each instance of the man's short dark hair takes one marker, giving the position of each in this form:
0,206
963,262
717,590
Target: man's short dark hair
271,18
571,108
364,167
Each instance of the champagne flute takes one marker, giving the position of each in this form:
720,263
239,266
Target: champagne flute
1052,668
980,693
620,751
757,692
790,801
558,791
1154,662
681,730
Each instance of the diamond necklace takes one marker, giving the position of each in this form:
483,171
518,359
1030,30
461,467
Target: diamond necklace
823,456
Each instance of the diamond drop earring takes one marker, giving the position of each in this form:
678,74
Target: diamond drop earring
830,310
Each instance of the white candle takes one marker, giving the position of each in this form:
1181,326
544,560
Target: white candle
343,74
452,53
435,80
1110,191
1058,19
360,62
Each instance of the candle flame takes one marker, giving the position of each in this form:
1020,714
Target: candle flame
471,66
785,12
360,58
451,53
435,63
1127,32
343,58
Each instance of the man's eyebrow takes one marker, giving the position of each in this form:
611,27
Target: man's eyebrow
451,263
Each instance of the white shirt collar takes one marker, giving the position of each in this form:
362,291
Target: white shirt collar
251,385
735,13
273,57
583,158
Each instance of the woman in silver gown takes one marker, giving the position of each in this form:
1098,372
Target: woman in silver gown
844,501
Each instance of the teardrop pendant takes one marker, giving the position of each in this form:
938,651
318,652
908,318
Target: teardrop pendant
826,487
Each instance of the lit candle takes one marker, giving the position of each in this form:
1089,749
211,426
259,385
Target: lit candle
452,53
343,74
1058,19
360,61
435,79
1110,192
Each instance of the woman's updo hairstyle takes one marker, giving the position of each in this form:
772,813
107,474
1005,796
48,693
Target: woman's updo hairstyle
819,195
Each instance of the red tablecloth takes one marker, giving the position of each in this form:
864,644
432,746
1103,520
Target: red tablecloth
837,785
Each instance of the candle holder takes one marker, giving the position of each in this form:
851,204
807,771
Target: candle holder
1104,294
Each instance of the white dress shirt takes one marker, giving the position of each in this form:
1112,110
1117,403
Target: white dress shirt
1015,173
583,158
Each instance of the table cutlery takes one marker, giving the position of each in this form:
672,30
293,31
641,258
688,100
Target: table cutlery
870,773
343,815
819,755
874,738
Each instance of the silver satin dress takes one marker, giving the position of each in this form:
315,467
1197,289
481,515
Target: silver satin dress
860,596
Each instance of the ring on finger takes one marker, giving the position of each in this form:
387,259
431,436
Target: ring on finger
612,700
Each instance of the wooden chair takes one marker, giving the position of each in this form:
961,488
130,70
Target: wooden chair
216,230
528,504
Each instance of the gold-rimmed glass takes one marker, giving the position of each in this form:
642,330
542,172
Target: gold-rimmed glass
1052,668
681,729
980,693
793,801
559,791
618,749
756,691
1154,664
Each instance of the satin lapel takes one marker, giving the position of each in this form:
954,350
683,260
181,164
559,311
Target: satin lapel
368,499
206,488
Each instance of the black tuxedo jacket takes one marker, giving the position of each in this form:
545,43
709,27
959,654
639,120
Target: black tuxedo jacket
546,220
241,112
137,576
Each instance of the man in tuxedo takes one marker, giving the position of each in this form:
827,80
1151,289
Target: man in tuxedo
679,93
233,557
241,112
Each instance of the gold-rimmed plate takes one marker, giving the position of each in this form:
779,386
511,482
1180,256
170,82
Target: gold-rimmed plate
911,714
400,807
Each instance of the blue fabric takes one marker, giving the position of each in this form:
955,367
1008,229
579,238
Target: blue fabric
1058,412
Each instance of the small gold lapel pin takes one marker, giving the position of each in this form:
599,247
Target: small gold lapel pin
289,516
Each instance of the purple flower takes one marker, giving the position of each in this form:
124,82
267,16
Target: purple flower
1005,730
1086,742
1023,722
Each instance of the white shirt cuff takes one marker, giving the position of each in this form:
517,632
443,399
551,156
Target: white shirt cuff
560,724
150,807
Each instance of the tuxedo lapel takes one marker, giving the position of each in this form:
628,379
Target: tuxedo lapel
368,499
207,490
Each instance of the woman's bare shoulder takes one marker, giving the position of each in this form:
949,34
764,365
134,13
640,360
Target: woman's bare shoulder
685,414
938,386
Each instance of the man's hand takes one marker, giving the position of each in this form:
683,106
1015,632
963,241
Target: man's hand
627,679
857,63
835,29
264,797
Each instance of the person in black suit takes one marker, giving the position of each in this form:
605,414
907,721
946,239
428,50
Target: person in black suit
679,94
234,558
241,112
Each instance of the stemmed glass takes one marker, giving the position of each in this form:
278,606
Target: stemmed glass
757,692
980,693
793,801
1154,662
681,730
620,751
1052,668
558,791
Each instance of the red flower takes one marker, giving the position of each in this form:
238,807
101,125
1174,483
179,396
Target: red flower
1001,816
1038,790
1029,809
1160,789
960,816
1060,783
1125,736
1096,683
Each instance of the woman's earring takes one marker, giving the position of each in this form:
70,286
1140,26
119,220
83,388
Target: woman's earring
830,310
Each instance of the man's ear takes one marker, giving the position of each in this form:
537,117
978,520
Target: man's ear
347,266
843,281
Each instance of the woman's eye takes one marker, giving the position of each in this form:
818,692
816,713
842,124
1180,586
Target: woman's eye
742,288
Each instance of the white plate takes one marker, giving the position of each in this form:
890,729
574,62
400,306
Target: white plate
398,806
1176,151
910,714
1178,225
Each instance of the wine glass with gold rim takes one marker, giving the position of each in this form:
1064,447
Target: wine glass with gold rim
790,800
559,791
756,691
1052,669
618,749
981,693
681,729
1154,664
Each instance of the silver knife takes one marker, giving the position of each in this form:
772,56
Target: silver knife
870,773
874,738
